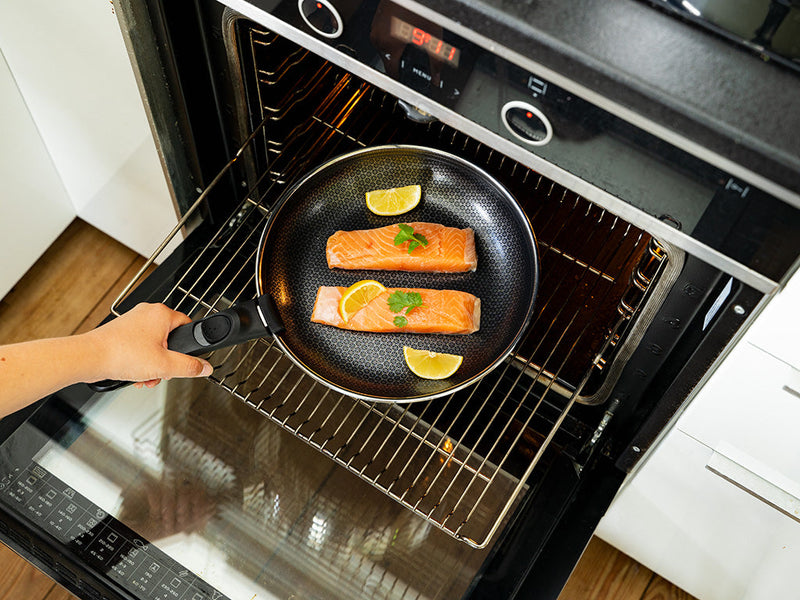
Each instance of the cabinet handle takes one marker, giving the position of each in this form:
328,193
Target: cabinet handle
791,391
757,479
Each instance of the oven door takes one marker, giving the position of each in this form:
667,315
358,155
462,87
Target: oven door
184,491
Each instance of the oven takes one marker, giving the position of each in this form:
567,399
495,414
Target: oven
655,252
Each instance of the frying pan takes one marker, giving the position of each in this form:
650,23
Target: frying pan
291,265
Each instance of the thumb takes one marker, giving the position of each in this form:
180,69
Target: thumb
183,365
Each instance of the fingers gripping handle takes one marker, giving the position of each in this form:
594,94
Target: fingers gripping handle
239,323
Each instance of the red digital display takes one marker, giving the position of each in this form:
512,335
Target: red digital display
434,46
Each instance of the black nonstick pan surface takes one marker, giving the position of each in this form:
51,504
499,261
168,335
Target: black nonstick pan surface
291,265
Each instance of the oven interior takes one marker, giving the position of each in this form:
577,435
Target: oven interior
461,462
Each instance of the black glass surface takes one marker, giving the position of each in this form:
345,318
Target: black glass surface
768,28
183,492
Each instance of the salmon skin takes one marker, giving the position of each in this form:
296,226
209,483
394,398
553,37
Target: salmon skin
449,249
442,311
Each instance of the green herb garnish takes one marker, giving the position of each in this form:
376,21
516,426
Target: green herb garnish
400,321
415,240
399,300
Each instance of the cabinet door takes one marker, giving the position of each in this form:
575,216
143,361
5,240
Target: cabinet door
777,329
751,404
700,531
34,206
78,84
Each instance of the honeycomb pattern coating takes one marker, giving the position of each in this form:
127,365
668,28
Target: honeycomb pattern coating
292,265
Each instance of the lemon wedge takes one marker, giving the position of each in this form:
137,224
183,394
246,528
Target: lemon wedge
357,296
431,365
394,201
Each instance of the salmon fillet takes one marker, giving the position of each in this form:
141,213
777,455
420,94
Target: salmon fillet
449,249
442,311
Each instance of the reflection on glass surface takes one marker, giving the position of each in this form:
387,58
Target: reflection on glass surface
771,27
241,504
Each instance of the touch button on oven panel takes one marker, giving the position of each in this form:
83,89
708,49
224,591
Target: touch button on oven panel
322,17
527,123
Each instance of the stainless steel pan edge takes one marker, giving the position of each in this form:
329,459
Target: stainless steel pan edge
523,235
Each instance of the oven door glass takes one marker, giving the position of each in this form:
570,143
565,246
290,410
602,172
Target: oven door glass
182,491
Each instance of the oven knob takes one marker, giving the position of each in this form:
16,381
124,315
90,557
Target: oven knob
322,17
527,123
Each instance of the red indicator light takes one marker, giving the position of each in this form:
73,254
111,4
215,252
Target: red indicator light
319,5
529,114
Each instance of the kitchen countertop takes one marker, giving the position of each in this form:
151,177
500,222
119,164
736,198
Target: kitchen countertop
695,83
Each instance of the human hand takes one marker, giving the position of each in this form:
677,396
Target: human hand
133,347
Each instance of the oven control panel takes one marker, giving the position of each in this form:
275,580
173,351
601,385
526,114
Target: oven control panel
95,537
526,109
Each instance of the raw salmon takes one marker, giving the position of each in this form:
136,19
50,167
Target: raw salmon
449,249
442,311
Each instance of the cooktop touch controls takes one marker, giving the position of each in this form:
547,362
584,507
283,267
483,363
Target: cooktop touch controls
527,123
322,17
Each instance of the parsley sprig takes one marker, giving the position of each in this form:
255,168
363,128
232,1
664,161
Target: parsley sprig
415,240
400,300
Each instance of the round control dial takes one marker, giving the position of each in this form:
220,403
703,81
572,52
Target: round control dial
527,123
322,17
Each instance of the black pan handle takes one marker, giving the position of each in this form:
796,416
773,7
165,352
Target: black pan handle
238,324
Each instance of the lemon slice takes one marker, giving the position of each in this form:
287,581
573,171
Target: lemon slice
431,365
357,296
394,201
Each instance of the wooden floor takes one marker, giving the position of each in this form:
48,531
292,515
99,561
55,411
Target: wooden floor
70,290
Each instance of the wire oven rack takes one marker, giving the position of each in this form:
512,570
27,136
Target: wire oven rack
461,462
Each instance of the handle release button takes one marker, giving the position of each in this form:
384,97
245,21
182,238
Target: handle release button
212,330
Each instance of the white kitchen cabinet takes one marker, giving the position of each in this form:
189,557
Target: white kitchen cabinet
71,68
715,507
777,329
751,405
34,206
701,532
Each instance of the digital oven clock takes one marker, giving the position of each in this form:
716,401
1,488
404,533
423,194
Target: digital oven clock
434,46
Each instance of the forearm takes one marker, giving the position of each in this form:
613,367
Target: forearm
32,370
133,347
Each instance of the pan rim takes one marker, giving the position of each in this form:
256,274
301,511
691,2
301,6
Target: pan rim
287,194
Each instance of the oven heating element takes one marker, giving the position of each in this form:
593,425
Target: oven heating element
462,462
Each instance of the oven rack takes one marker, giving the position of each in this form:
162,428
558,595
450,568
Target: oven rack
461,462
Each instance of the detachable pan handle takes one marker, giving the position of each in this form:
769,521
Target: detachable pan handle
238,324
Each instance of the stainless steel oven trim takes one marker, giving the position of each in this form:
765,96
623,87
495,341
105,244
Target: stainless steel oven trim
649,223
